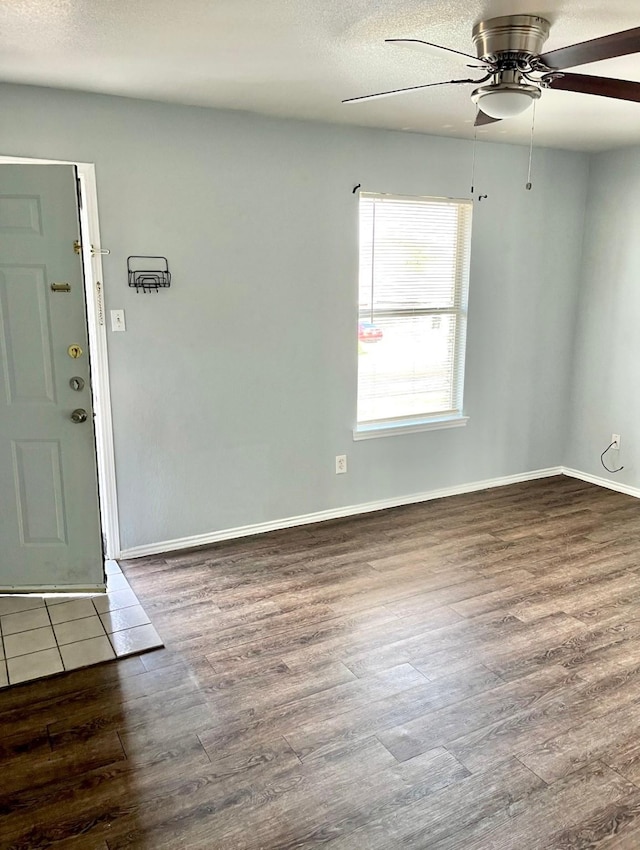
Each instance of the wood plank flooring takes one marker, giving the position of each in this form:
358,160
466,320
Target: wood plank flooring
462,674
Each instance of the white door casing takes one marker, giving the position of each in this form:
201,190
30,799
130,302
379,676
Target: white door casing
49,517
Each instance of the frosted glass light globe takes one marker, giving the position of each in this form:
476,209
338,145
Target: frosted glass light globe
505,104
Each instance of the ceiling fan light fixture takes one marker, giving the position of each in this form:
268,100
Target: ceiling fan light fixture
509,52
505,101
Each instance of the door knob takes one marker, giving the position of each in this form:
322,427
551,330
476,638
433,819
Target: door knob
79,415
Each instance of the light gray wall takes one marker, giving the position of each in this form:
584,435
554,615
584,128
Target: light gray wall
234,390
606,365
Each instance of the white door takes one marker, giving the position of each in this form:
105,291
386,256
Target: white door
50,534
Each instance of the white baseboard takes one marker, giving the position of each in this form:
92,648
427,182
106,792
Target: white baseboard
334,513
609,483
52,588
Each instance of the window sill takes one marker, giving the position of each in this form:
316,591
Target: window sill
369,432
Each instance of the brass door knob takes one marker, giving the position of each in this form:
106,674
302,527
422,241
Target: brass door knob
79,415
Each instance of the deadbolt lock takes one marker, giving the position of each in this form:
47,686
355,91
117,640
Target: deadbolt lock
76,384
74,351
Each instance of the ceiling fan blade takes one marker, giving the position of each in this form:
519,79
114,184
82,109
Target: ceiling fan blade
606,47
603,86
482,119
419,44
402,91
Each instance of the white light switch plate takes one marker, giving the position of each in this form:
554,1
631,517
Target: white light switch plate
117,320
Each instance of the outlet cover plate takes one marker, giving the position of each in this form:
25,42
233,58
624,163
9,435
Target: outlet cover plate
117,321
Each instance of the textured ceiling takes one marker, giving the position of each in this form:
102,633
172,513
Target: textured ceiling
300,58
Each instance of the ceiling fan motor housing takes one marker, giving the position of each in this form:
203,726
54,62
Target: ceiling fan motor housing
519,34
511,45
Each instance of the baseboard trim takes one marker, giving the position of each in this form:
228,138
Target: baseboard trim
335,513
52,588
609,484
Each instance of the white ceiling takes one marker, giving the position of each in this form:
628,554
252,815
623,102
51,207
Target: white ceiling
300,58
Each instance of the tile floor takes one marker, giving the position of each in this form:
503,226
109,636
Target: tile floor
43,635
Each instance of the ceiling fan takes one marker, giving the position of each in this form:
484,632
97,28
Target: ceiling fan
508,51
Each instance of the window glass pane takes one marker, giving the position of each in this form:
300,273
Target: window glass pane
414,267
406,366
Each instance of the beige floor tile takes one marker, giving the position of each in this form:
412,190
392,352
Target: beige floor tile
113,601
75,610
75,630
24,621
45,635
34,666
25,643
117,582
61,598
86,652
112,568
124,618
14,604
134,640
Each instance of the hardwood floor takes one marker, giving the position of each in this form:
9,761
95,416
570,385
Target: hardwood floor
457,675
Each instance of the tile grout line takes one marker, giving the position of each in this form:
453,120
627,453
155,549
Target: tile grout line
55,636
99,616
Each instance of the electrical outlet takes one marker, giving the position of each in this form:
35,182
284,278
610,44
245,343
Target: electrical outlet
341,464
615,439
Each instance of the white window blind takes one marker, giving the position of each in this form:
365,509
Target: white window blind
414,273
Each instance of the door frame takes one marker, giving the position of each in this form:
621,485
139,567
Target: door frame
98,353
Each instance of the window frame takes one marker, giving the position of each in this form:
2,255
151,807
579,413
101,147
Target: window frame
453,418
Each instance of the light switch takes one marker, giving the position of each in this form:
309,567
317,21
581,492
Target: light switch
117,320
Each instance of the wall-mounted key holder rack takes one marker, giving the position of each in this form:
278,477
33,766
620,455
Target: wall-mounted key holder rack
148,274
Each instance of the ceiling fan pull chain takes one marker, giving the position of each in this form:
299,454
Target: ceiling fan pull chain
473,161
533,125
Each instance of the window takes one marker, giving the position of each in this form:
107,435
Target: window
414,272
